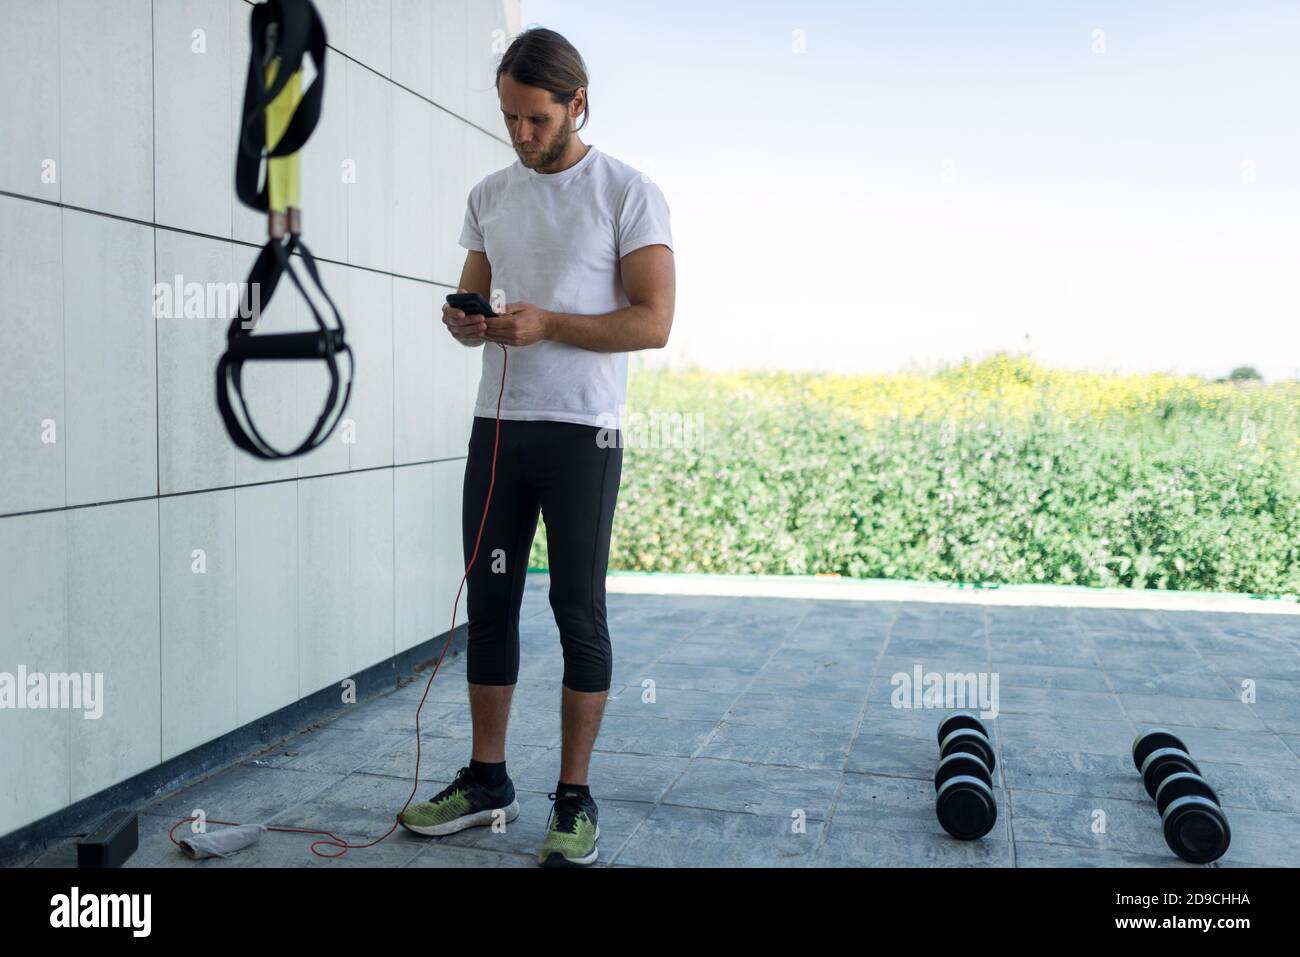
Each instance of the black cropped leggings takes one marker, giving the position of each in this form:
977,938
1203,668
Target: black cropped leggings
561,470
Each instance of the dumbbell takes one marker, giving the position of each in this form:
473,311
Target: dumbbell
963,783
1192,817
966,733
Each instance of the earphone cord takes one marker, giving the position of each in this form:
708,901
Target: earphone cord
334,840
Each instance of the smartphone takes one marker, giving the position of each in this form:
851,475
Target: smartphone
472,303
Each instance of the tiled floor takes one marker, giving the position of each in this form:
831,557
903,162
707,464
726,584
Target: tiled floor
761,732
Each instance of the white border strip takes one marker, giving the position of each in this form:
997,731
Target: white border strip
778,586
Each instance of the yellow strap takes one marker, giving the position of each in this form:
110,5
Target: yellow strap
281,171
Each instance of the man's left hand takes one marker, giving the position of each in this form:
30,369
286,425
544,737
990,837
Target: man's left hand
519,324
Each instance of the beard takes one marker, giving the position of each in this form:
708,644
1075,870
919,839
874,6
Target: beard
550,152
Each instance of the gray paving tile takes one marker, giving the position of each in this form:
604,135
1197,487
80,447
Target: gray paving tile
769,635
1023,731
1120,620
677,703
754,788
901,806
456,724
1083,705
1018,674
693,837
882,717
973,654
1028,618
895,755
849,845
1058,650
1262,838
1236,670
791,747
396,712
1035,854
1256,748
1188,679
808,683
863,611
644,648
784,711
717,679
850,663
441,758
331,748
536,694
1277,704
709,652
245,794
1131,827
548,664
644,734
1161,710
612,776
1257,787
449,855
806,644
360,805
922,617
759,705
1077,773
891,665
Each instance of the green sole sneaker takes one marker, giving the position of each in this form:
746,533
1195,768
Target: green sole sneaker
571,832
462,804
560,858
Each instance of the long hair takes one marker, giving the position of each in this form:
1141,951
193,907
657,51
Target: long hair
543,58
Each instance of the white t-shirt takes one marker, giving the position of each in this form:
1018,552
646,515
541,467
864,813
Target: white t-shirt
555,240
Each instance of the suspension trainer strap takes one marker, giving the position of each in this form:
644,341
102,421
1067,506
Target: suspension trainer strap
278,117
280,30
323,345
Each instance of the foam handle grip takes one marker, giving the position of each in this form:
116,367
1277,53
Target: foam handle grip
285,345
281,171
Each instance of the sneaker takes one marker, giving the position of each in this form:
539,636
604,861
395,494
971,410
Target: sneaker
571,832
466,802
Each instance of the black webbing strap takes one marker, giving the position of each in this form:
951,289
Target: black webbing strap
287,29
284,29
323,345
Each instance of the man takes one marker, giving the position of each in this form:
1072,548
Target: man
580,244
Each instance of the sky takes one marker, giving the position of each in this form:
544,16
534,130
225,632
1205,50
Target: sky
869,186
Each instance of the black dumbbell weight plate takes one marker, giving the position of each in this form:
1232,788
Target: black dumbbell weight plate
1196,829
959,763
1182,784
1152,740
1163,762
969,741
960,720
966,808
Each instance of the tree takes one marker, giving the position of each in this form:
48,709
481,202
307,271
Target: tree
1242,374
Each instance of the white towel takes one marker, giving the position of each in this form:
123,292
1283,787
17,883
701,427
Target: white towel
222,843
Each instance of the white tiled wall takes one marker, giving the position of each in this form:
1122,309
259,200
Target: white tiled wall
208,587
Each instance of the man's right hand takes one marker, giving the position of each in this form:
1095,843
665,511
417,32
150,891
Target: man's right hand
467,330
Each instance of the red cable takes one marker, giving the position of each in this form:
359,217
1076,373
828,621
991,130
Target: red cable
334,840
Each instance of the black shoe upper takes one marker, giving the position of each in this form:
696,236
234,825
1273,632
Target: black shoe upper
568,805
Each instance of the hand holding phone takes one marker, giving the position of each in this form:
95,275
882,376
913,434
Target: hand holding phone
463,314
